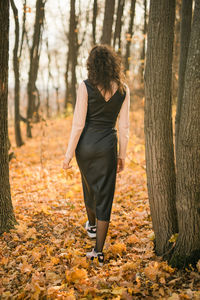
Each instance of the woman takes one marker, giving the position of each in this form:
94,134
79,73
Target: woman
100,99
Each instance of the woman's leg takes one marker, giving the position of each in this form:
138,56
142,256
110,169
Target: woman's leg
102,229
91,216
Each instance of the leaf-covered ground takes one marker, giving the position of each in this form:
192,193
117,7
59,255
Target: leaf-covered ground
44,257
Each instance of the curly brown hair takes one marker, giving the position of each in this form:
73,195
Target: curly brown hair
104,67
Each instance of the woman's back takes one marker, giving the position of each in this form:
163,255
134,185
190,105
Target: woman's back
101,112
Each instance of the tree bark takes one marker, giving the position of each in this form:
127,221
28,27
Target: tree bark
34,64
108,22
176,53
7,218
18,137
187,248
186,18
118,26
94,20
129,36
161,179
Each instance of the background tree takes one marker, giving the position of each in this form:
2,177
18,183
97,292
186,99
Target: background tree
7,218
187,248
94,21
186,18
118,24
72,53
144,32
18,137
108,22
32,106
129,36
161,178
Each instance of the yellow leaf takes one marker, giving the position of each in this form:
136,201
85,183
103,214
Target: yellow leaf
118,248
198,266
133,239
25,268
76,275
161,291
55,260
118,290
173,238
174,297
162,280
152,271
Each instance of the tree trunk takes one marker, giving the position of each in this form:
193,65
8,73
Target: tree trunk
34,64
70,95
118,26
18,137
108,22
67,86
7,218
94,21
186,18
187,248
129,36
142,57
161,179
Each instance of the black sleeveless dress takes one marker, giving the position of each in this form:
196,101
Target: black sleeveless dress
96,152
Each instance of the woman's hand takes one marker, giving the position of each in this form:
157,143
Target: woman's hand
120,165
66,163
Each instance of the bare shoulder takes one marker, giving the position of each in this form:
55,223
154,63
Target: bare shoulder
126,87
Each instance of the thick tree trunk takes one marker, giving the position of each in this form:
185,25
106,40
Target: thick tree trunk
18,137
108,22
7,218
118,26
186,18
94,21
129,36
34,64
187,248
161,179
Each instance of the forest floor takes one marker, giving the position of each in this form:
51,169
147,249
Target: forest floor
44,257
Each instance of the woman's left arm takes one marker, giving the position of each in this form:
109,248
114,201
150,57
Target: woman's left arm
123,128
78,123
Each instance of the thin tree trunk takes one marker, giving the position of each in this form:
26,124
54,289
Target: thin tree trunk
73,40
142,57
94,20
186,18
161,178
67,89
129,36
23,28
108,22
118,26
187,248
70,95
57,100
34,64
18,137
7,218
